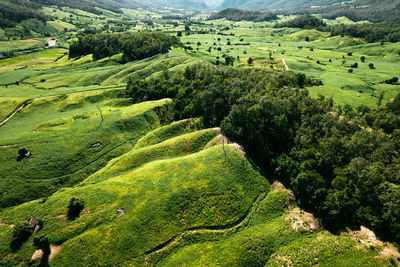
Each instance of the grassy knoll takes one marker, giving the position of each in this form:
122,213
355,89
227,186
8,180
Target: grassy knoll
161,199
268,239
60,131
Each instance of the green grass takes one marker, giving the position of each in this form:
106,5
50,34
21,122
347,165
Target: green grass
168,131
268,240
59,132
211,188
188,199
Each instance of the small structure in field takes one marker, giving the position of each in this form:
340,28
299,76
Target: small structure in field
120,212
96,145
33,222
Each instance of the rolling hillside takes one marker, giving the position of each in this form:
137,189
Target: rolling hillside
183,198
280,5
359,10
179,4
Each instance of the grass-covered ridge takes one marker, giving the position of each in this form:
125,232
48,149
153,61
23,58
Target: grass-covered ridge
60,133
211,188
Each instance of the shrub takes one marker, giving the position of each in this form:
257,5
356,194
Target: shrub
42,242
393,80
371,66
75,207
21,232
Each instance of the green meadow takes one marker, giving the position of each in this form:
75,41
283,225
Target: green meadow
188,199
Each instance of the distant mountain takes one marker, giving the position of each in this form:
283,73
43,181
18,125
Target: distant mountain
15,11
181,4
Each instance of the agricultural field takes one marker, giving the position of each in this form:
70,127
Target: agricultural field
155,189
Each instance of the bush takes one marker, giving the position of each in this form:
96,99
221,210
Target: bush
21,232
75,207
42,242
393,80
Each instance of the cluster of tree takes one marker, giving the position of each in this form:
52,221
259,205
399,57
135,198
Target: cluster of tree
369,32
13,12
235,14
134,46
342,164
372,10
86,5
304,22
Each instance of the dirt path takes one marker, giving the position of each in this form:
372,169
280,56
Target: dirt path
286,66
29,101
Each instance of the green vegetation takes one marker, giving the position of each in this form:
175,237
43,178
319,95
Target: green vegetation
370,32
235,14
134,46
136,149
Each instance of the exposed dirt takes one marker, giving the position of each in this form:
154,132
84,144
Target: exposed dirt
367,238
302,220
54,249
37,255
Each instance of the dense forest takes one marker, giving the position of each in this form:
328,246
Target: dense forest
342,164
14,11
369,32
133,46
387,11
235,14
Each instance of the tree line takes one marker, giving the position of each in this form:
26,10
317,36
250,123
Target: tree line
369,32
235,14
134,46
15,11
342,164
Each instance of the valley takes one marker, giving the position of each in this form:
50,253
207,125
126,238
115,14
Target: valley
135,135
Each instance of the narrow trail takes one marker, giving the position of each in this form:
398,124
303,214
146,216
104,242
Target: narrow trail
175,241
30,101
286,66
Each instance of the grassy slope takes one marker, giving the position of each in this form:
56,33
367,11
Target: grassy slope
203,207
268,240
284,44
161,198
59,132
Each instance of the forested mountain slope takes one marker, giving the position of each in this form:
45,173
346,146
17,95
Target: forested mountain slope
14,11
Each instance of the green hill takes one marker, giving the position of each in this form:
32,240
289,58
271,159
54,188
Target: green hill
185,203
